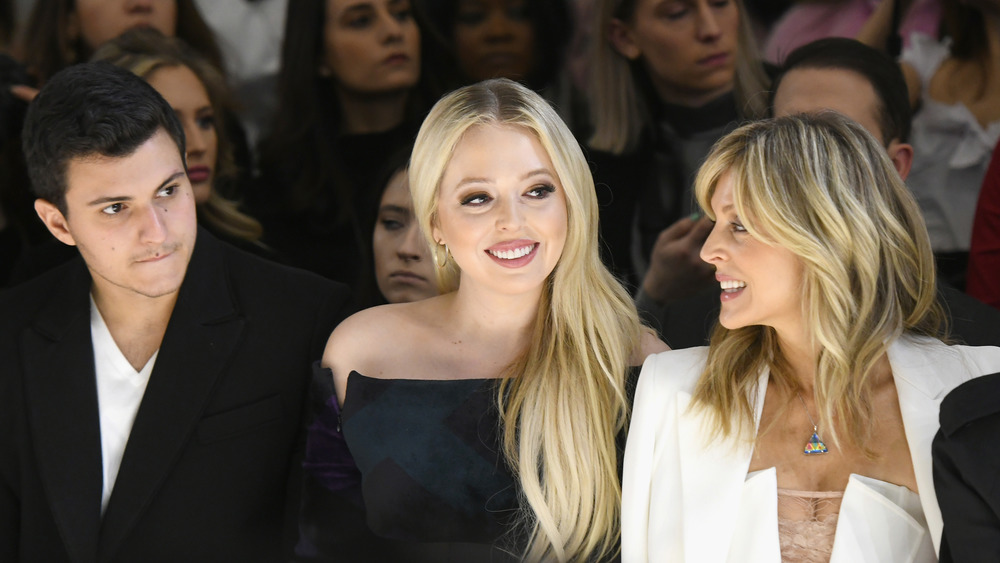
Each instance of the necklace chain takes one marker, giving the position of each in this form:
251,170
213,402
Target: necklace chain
815,444
805,408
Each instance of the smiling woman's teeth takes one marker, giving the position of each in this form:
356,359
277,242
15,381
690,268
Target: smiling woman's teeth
731,286
512,254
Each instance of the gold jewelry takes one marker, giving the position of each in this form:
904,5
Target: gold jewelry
441,254
815,445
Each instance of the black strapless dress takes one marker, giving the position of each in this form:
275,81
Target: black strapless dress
409,470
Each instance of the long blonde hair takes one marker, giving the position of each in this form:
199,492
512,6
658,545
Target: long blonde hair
823,188
618,108
565,404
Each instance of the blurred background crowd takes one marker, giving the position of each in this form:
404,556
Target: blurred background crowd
300,116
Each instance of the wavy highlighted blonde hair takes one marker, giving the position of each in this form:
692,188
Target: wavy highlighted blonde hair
619,109
565,402
822,187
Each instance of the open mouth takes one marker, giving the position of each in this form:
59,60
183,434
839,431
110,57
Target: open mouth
514,257
732,286
513,254
731,289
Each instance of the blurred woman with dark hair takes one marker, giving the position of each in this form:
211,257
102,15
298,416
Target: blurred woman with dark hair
63,32
669,78
351,90
522,40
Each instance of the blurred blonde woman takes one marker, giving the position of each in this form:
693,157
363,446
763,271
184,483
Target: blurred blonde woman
803,432
668,79
489,417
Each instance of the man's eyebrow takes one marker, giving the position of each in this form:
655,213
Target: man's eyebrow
171,178
120,198
110,199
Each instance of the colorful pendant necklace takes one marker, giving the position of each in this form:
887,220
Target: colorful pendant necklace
815,445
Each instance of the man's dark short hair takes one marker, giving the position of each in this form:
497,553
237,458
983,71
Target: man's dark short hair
90,109
874,66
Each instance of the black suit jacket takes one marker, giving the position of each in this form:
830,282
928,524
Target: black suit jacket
967,471
212,465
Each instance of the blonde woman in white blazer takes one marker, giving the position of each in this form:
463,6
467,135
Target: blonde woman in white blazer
826,345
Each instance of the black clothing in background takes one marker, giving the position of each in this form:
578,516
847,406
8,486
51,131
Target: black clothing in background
328,235
642,192
967,471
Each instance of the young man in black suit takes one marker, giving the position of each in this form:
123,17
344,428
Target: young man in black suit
152,390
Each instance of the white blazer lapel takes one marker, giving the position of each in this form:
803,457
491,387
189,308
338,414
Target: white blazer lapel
640,478
712,478
756,535
880,522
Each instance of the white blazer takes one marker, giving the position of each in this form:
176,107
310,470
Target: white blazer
685,499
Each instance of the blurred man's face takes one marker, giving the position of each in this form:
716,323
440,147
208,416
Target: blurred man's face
809,90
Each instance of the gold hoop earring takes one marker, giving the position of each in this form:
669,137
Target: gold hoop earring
441,254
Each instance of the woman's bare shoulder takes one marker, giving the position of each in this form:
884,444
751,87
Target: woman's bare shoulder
375,341
372,330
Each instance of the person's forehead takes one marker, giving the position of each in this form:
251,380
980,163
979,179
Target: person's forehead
805,90
143,170
397,190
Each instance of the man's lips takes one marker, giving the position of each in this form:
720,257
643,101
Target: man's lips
160,254
155,258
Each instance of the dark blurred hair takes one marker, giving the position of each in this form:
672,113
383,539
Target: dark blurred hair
47,47
86,110
874,66
368,293
145,51
308,121
15,195
966,25
7,21
551,20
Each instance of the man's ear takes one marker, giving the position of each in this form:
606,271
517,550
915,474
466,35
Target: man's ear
55,221
901,155
621,38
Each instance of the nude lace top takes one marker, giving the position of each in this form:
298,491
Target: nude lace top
807,520
807,523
